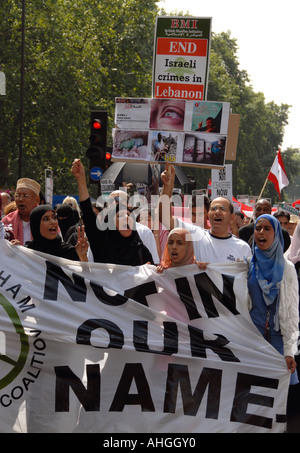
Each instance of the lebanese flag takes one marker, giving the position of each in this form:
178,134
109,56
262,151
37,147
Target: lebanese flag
277,174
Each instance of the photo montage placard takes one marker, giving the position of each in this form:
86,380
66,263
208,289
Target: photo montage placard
191,133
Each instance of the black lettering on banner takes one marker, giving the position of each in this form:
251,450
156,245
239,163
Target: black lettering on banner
209,385
107,299
139,293
3,280
14,290
211,379
186,297
243,397
207,289
88,396
85,330
170,333
24,304
199,345
133,371
77,289
55,274
26,382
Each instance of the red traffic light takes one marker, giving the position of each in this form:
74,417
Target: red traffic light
96,124
107,156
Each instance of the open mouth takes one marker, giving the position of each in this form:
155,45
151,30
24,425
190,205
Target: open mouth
262,240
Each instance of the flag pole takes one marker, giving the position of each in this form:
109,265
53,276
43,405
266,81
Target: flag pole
261,192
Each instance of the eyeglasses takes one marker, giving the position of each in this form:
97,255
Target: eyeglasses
22,195
47,219
222,208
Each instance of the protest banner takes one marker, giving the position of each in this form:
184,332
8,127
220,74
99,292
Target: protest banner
87,347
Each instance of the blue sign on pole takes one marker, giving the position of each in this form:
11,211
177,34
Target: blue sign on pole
96,173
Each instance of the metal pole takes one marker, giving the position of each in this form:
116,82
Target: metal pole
22,91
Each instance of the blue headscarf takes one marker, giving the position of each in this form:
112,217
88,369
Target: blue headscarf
268,265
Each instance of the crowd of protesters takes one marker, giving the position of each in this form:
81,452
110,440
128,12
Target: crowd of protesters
214,233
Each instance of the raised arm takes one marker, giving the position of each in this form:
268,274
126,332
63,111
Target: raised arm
165,207
79,172
89,219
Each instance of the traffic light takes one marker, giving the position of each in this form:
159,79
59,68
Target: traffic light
108,156
96,153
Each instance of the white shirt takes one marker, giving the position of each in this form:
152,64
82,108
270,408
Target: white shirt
212,249
148,239
26,232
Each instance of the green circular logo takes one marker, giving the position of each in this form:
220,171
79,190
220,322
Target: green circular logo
16,364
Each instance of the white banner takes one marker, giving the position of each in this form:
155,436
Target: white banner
116,349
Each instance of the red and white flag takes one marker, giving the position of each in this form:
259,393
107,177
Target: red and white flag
277,174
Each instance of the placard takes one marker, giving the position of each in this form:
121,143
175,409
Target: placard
191,133
181,57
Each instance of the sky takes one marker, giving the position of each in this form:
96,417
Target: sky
267,34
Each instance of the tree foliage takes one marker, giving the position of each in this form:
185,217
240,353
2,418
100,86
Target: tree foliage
261,124
81,55
78,57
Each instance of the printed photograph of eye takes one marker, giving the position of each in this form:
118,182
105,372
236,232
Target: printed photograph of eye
167,114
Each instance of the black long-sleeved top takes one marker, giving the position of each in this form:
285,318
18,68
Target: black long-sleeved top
109,246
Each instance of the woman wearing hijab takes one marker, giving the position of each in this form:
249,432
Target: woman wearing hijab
179,250
115,239
44,230
66,219
273,289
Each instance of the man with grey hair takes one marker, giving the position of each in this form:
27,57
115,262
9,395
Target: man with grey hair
6,198
27,198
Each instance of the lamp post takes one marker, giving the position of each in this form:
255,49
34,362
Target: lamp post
21,121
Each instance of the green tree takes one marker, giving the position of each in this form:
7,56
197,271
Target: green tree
78,57
291,160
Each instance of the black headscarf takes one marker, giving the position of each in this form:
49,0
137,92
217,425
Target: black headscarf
115,248
55,246
66,218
